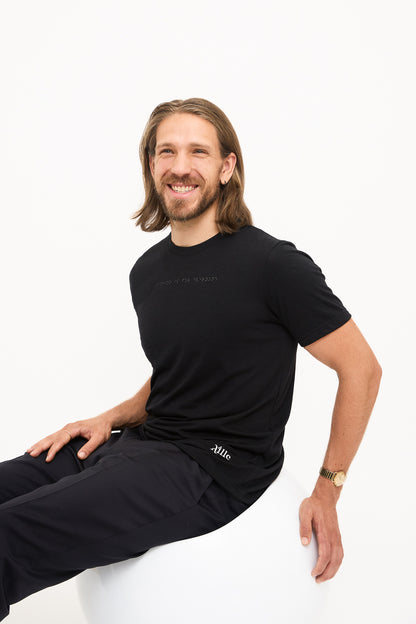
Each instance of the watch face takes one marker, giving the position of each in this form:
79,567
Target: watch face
339,478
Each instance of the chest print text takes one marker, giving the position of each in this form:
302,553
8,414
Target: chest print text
185,281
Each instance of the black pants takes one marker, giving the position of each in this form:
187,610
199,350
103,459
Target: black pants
60,518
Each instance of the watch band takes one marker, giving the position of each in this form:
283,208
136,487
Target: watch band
327,474
337,477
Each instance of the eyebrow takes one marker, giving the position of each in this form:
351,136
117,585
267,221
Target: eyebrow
201,145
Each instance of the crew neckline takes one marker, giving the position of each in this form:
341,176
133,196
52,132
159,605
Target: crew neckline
180,250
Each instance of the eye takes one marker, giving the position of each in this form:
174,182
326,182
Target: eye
165,150
200,151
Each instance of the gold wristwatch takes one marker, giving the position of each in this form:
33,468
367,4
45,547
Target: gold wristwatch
337,478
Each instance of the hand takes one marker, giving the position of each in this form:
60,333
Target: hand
319,513
96,430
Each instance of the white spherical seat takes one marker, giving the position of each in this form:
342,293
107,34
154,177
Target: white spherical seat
252,569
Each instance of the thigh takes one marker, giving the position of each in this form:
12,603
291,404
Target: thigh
140,494
133,495
25,473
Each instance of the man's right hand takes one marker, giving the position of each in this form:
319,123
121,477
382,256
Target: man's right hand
96,430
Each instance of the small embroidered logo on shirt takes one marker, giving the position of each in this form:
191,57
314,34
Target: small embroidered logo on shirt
218,450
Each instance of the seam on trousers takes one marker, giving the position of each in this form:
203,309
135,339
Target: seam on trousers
34,494
126,533
90,474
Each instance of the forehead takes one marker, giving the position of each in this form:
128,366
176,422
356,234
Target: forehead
182,128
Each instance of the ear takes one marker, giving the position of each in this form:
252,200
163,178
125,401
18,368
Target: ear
152,165
228,166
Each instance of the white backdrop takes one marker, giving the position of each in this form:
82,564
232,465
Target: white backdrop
322,96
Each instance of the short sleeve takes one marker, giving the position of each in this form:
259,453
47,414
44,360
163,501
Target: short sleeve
299,296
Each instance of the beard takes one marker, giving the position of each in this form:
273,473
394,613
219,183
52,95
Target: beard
175,211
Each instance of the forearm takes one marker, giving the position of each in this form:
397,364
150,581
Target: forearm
346,351
131,412
354,403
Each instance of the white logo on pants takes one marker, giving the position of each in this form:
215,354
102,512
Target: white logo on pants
218,450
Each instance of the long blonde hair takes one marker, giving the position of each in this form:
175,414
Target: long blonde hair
232,212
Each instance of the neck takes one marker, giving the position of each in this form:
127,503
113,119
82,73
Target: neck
194,231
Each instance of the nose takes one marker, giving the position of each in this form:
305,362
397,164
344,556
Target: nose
181,164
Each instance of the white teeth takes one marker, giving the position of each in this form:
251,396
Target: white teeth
183,189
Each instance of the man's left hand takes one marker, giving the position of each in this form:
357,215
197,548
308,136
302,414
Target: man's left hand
318,513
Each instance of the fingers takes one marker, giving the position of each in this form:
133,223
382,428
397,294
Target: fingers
330,552
324,521
53,442
96,430
56,446
305,520
329,562
90,446
324,556
39,447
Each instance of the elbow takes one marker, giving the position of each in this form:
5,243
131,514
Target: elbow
374,375
376,371
365,370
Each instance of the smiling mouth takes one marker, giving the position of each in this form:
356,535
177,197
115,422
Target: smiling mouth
182,189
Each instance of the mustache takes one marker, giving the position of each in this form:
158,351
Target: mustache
186,181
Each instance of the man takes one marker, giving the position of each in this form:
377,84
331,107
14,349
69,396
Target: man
221,307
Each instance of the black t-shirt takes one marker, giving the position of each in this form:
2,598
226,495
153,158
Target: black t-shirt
220,323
